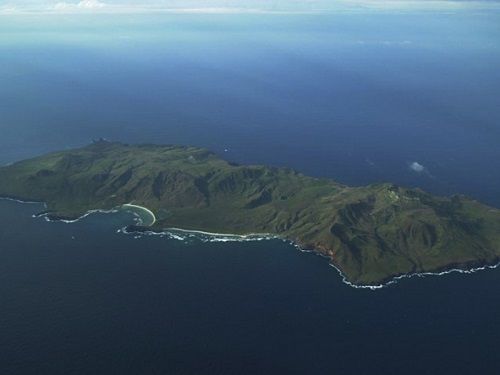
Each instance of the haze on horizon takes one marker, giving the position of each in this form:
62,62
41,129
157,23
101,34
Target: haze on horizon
8,7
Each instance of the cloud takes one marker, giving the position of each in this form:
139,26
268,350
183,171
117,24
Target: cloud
385,42
147,6
239,6
8,9
417,167
82,5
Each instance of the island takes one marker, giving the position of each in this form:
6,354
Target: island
371,234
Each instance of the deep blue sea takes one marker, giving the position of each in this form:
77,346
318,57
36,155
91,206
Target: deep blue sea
408,98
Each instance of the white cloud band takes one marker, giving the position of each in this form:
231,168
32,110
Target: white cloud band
237,6
89,5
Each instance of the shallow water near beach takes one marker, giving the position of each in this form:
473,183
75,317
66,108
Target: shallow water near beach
356,98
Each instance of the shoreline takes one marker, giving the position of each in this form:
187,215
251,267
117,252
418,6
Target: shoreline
147,210
18,200
213,234
395,279
48,217
177,234
226,237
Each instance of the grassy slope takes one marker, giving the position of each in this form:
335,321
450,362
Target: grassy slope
371,233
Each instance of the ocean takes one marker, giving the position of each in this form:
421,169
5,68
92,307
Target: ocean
408,98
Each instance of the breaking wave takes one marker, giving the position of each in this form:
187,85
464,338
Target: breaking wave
186,235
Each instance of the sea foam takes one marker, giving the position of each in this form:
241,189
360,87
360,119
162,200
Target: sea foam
185,234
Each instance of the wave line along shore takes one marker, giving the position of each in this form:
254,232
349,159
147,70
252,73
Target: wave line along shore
145,209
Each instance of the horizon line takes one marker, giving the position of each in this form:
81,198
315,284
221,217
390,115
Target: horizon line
93,7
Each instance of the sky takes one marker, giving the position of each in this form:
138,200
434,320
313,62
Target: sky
233,6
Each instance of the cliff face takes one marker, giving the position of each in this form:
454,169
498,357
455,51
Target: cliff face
371,233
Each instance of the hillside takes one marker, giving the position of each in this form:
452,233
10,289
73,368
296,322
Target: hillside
370,233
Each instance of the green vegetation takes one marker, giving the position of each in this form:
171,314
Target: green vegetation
370,233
